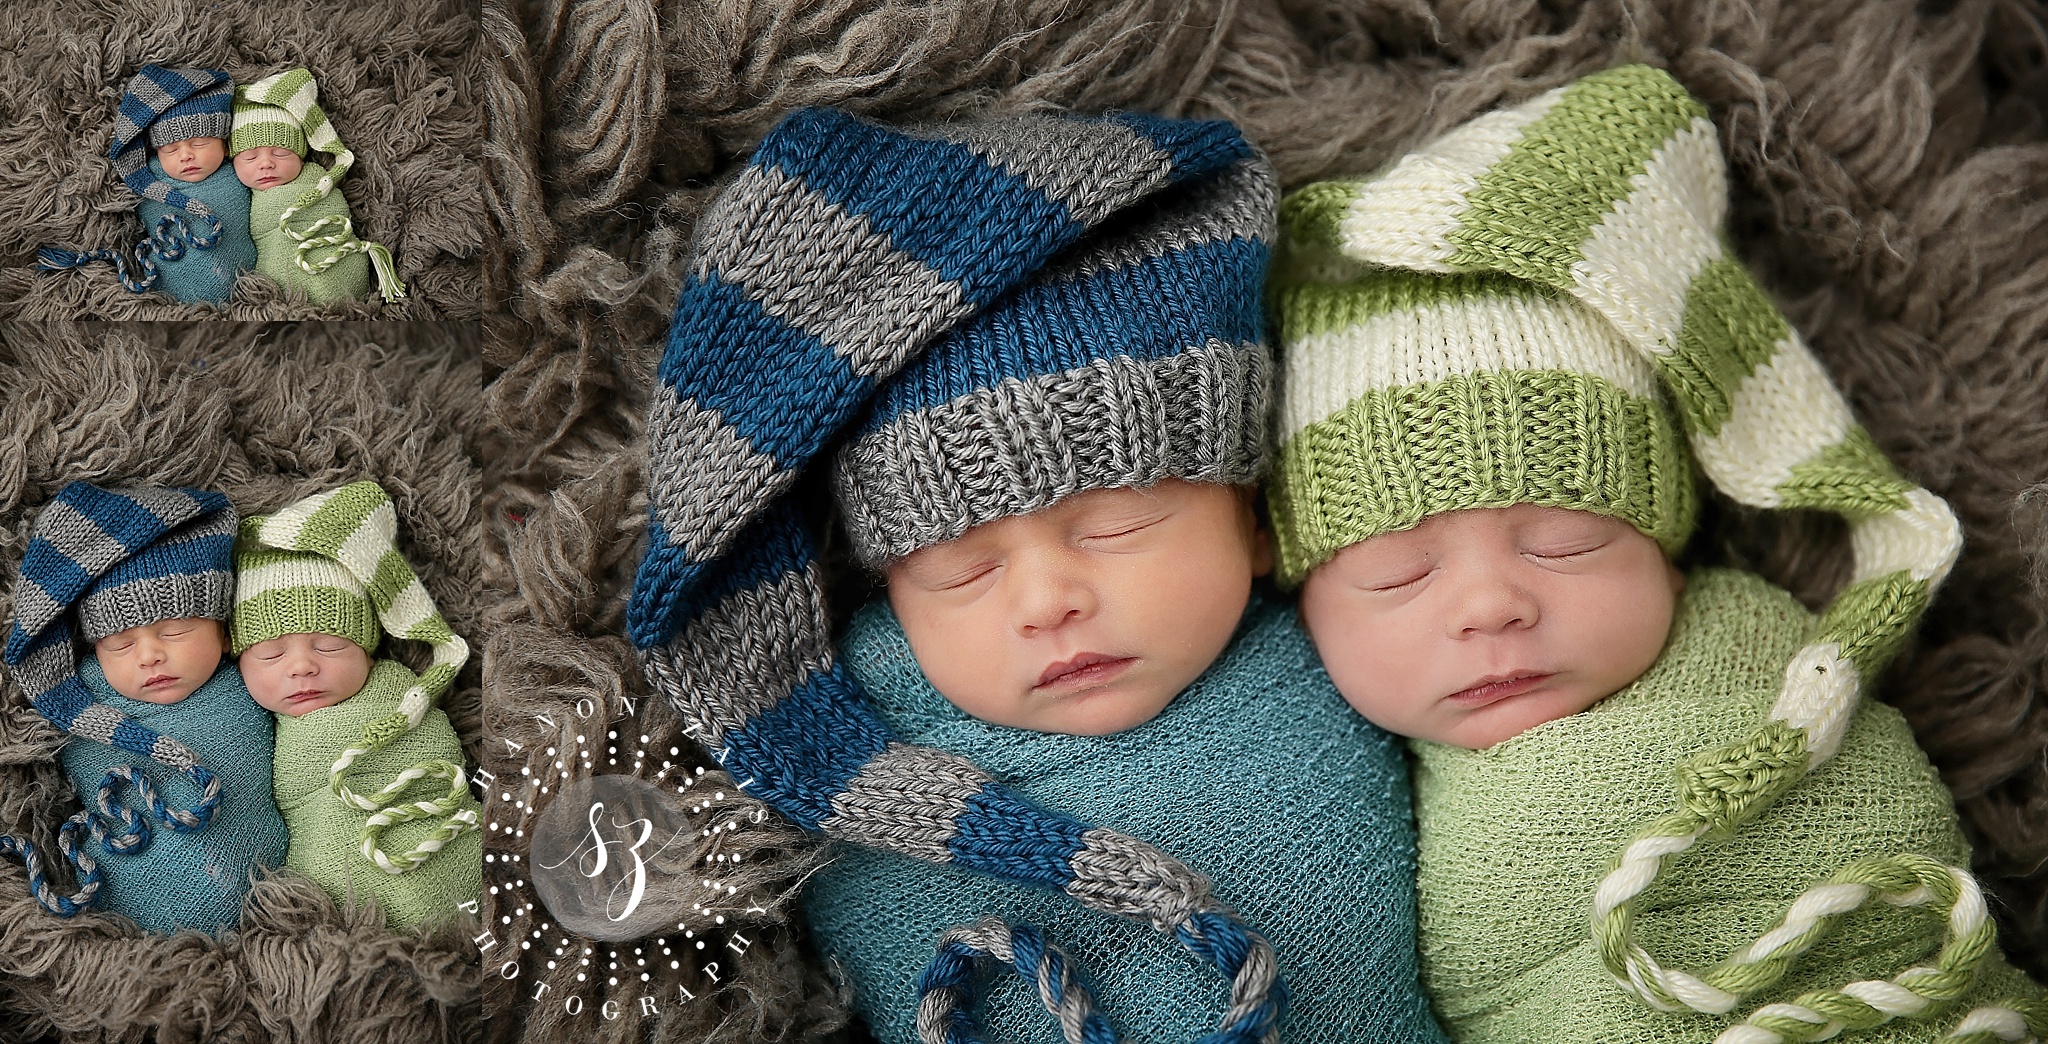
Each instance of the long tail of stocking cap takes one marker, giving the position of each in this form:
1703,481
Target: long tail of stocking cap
840,254
86,535
1612,190
345,541
320,243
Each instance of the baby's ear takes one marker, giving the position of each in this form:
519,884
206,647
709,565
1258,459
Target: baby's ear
1257,533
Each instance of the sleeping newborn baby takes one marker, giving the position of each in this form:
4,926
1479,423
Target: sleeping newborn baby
310,607
305,237
1484,477
160,700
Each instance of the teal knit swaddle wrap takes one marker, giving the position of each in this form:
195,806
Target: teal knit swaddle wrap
196,879
1257,775
277,253
326,833
1515,838
205,275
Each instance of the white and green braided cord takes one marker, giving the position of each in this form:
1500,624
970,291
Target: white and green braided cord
336,234
1613,191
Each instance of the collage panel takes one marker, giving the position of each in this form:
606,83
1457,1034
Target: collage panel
241,159
237,552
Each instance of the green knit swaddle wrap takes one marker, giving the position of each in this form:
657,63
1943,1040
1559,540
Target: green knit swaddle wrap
1514,838
277,254
326,833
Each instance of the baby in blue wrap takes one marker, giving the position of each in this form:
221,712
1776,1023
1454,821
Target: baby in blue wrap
168,752
1107,658
169,146
1058,494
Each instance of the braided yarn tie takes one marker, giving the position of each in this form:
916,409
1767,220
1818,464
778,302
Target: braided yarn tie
385,808
1257,992
1719,792
137,267
87,870
338,232
457,822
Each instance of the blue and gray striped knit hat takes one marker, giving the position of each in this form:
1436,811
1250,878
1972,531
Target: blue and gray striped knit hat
979,319
120,559
162,106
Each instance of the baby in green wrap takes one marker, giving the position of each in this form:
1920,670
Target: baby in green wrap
305,237
317,585
1506,357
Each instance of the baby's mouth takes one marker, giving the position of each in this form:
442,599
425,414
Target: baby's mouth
1498,687
159,680
1081,672
303,695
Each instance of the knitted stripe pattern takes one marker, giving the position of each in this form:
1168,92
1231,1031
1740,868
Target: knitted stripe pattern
203,101
258,125
843,251
1515,837
1612,192
295,92
85,534
1410,394
320,242
356,528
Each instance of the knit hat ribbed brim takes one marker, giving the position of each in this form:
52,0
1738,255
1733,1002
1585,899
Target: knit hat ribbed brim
258,125
987,316
1409,394
281,592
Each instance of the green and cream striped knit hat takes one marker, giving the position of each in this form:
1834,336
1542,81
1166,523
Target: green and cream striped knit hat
258,125
1532,308
330,564
295,92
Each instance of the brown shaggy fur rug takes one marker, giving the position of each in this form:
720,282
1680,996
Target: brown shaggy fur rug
399,80
266,414
1890,175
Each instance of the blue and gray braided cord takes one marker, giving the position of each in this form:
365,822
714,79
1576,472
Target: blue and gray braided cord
811,289
131,837
137,267
945,990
